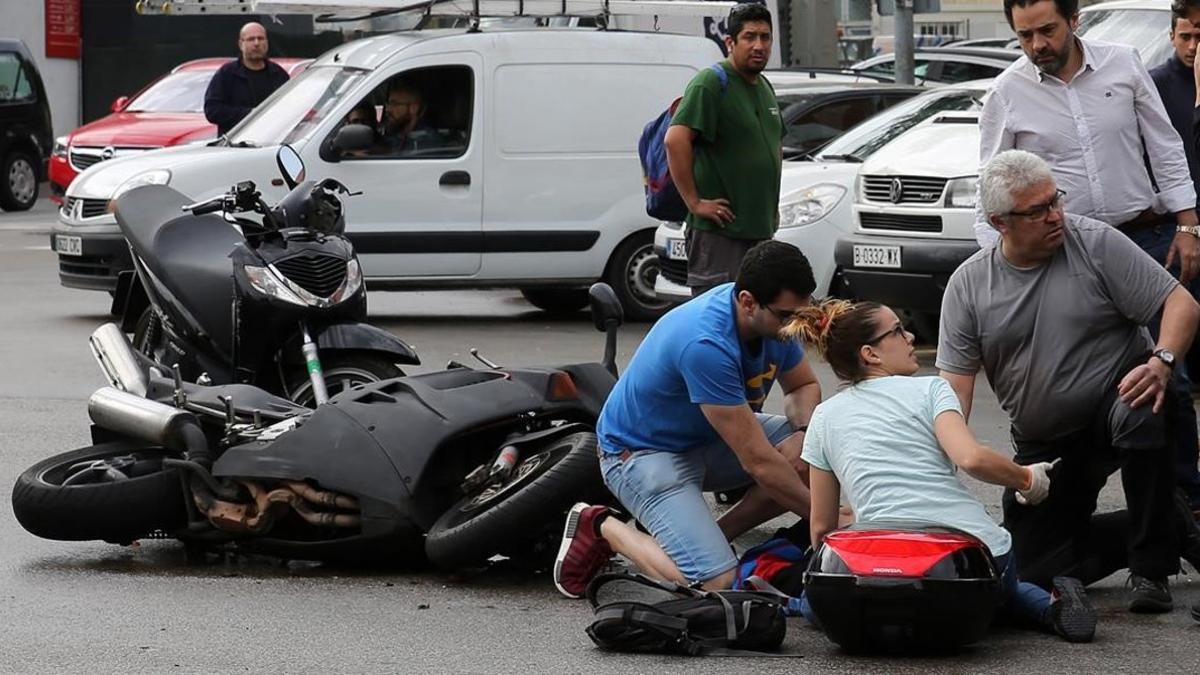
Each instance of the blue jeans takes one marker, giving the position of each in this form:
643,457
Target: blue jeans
664,491
1157,242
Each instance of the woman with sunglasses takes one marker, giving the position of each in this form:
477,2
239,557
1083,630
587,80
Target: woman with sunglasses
893,442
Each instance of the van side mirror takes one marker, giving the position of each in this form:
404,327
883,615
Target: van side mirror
350,138
290,165
119,104
608,316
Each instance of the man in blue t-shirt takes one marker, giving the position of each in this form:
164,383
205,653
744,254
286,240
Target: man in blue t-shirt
686,418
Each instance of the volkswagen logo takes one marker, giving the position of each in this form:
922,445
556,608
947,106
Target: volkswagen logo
107,153
897,191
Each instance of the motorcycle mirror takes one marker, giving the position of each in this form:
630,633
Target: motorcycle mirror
290,165
606,308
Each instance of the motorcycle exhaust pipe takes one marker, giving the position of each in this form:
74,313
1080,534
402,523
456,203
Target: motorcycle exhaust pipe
148,421
118,360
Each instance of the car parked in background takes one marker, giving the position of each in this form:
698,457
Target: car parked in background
816,196
25,129
168,111
815,114
945,64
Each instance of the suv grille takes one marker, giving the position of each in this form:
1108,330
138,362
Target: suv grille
674,271
913,189
91,207
320,275
887,221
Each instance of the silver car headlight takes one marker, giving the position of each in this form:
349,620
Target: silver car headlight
961,193
154,177
807,206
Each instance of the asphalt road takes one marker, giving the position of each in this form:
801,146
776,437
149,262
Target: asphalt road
98,608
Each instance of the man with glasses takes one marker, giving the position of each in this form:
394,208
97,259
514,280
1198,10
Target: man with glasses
686,417
1056,315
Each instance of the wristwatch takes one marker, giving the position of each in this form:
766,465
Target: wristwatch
1166,356
1193,230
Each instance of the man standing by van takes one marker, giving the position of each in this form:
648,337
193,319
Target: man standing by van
724,153
243,83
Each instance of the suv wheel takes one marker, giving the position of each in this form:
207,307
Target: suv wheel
18,182
631,272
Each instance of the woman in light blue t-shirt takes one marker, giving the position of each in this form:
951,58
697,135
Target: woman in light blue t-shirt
892,443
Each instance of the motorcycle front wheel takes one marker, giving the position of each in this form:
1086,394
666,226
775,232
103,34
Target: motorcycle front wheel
342,370
115,492
522,516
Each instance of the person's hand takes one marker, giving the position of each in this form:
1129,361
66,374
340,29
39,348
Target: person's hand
1185,249
1147,382
1039,483
716,210
791,449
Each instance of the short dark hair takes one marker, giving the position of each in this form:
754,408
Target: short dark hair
744,13
772,267
1066,8
1180,9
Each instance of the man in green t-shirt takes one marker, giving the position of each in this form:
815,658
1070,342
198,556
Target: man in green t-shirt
724,153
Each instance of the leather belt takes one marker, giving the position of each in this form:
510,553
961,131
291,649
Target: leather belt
622,456
1144,220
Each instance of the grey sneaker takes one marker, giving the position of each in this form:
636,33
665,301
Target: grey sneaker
1149,596
1071,613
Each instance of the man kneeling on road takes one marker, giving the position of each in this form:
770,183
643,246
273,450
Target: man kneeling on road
1055,313
684,418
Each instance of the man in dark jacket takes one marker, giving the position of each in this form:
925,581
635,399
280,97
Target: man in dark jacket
241,84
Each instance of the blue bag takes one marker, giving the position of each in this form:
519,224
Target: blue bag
662,198
774,566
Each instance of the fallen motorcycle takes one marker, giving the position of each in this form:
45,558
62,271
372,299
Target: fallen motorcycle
486,461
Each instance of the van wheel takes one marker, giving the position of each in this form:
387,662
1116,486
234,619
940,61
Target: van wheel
557,300
632,272
18,182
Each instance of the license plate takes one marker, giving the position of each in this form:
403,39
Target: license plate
677,249
876,256
68,245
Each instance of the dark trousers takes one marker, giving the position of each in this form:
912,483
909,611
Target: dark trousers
1156,241
1064,536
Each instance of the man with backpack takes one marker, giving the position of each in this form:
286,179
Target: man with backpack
724,150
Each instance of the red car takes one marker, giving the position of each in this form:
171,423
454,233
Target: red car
169,111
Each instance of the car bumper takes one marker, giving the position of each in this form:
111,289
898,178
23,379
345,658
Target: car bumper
920,281
671,284
103,253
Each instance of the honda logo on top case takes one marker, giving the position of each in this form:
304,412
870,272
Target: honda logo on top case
897,191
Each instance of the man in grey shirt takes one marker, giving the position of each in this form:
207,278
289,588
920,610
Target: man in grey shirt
1055,313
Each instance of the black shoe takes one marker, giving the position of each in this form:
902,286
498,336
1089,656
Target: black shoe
1071,613
1149,596
1189,531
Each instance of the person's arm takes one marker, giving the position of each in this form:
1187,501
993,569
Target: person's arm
964,389
801,394
1170,167
968,454
680,157
1148,382
826,496
960,349
739,428
994,138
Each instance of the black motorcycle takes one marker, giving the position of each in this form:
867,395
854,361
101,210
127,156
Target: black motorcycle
277,301
459,464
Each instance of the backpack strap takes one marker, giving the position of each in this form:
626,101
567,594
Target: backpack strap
722,76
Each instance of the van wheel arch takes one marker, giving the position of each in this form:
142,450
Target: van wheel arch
631,271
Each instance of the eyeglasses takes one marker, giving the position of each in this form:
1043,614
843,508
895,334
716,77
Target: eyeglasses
783,316
1039,212
898,329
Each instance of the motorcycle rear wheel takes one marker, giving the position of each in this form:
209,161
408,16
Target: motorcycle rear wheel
511,519
115,492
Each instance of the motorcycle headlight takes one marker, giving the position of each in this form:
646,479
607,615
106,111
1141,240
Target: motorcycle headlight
961,192
351,285
155,177
266,282
807,206
60,147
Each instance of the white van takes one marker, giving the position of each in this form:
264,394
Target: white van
533,183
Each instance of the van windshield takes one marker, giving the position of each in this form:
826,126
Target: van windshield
296,108
1143,29
862,141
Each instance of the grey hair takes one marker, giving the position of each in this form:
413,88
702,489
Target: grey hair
1009,172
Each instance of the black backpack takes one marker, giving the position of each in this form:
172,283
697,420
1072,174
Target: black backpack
636,614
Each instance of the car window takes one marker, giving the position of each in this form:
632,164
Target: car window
426,114
957,71
181,92
819,125
297,108
863,140
888,68
1142,29
15,85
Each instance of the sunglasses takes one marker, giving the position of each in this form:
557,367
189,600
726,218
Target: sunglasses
897,330
783,315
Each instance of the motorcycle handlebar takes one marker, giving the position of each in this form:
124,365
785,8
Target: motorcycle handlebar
209,206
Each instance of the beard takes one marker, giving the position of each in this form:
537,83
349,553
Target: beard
1054,61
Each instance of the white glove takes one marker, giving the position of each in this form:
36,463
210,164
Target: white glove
1039,483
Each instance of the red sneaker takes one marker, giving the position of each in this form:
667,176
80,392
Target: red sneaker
583,552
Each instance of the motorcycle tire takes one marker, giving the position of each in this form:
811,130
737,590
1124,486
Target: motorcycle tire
343,370
146,499
508,519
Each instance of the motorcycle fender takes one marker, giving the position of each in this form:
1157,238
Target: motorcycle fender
365,337
545,435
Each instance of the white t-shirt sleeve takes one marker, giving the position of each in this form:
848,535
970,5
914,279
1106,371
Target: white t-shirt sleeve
815,443
942,398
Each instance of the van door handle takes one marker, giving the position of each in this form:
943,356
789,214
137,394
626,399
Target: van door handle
455,178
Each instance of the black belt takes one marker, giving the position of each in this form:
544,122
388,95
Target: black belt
1142,221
